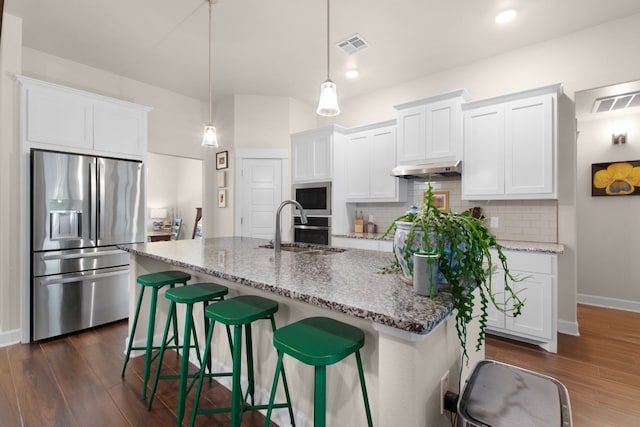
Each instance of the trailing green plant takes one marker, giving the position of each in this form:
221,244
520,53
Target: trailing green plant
464,244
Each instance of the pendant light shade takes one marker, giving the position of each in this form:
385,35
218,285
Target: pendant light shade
328,103
210,138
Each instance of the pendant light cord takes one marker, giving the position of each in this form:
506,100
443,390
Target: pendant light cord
210,19
328,18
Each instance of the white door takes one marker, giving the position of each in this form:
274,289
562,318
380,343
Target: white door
261,195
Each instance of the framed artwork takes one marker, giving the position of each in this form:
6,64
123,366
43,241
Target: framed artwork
222,181
222,198
221,160
615,178
440,200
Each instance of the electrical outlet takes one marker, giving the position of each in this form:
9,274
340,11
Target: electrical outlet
493,222
444,387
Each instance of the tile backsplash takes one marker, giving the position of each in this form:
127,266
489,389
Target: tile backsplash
526,220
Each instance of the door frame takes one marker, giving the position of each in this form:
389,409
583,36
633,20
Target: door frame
257,154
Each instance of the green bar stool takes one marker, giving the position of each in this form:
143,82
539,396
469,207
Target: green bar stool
319,342
155,281
188,295
238,312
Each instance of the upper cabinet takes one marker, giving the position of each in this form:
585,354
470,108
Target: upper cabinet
55,117
430,130
370,156
312,153
509,146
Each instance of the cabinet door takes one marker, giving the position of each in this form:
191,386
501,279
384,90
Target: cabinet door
443,137
57,117
358,165
382,160
119,129
529,167
411,135
302,158
321,157
495,318
483,153
537,313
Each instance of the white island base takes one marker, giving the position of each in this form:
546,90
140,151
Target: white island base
402,369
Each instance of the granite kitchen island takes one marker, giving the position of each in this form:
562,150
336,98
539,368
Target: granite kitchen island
410,340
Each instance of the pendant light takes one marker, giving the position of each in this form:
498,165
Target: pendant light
210,139
328,104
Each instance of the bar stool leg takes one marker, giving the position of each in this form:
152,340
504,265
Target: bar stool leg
172,310
284,380
184,368
236,392
272,396
249,356
320,396
207,352
133,330
364,389
150,332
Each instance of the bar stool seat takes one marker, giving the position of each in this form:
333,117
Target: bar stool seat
187,295
240,312
155,281
319,342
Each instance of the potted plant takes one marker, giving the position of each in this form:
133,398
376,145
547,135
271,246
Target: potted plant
462,243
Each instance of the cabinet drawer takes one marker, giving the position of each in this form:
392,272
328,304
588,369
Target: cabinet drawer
531,262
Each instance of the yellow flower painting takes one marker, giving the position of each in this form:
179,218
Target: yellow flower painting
616,179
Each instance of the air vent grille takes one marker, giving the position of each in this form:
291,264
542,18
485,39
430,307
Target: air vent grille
352,45
619,102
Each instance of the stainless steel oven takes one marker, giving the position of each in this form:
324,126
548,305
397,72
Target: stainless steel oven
314,197
317,230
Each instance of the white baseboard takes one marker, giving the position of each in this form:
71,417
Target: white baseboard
568,328
10,337
615,303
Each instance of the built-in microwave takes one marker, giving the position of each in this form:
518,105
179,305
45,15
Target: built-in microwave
314,197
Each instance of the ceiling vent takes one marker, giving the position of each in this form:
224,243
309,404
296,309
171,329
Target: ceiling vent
352,45
614,103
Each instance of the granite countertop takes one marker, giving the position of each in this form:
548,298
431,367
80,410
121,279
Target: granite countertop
514,245
349,282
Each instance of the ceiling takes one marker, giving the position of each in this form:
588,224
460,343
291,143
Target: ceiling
277,47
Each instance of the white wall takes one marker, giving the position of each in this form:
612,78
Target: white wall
10,243
608,227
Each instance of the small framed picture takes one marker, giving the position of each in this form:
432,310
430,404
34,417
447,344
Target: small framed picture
222,198
221,160
440,200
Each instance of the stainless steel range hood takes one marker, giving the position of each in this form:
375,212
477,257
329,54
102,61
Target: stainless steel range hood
432,172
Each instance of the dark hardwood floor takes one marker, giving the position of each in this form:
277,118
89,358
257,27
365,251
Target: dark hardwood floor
75,380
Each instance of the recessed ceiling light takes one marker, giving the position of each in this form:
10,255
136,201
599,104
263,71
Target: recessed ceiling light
505,16
352,73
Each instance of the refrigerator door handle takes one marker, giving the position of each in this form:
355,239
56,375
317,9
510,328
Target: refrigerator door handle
92,200
45,281
101,198
58,255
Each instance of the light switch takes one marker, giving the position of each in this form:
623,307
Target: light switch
493,222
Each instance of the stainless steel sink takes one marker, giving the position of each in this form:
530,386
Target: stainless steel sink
306,249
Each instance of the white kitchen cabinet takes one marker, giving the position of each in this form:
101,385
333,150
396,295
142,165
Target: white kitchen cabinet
371,154
509,146
537,323
312,153
119,129
430,130
58,117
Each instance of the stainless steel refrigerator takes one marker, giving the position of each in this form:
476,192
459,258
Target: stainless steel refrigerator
81,207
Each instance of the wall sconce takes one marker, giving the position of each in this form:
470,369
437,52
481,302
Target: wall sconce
620,138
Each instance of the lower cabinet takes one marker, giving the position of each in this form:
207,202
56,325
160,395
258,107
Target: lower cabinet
537,287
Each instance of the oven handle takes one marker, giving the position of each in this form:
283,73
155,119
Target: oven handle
310,227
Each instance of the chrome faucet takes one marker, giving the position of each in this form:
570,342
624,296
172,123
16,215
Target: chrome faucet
303,218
